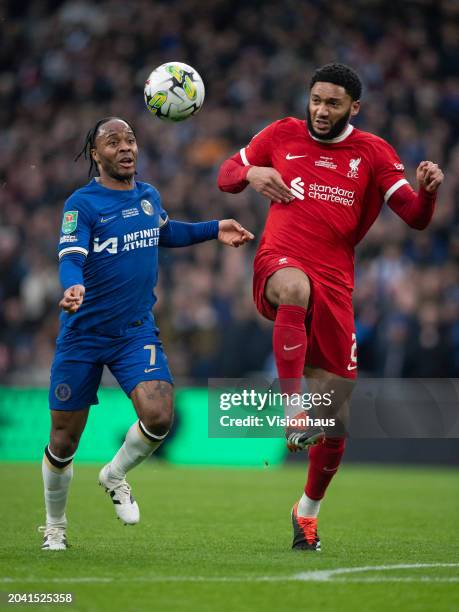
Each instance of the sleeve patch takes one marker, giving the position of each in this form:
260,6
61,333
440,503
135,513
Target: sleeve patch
66,239
70,221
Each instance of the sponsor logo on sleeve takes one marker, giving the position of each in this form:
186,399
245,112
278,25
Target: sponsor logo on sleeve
399,166
70,222
67,239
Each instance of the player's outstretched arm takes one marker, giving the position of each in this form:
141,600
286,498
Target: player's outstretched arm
72,299
231,233
181,234
417,209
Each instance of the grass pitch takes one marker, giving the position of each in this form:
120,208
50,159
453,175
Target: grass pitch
219,539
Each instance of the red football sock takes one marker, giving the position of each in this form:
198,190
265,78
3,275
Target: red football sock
289,343
324,460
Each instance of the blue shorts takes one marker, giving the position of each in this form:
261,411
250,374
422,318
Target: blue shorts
80,357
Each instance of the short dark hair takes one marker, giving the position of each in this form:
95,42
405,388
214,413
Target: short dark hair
91,139
339,74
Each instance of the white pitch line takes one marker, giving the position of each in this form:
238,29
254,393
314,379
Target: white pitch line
329,575
369,579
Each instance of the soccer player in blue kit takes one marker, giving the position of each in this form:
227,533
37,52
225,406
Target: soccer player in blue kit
108,253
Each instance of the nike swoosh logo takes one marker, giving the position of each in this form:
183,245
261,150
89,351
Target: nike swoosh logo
326,469
351,367
291,348
105,219
288,156
150,370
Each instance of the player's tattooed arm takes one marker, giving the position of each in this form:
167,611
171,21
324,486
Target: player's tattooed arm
231,233
72,299
429,176
269,183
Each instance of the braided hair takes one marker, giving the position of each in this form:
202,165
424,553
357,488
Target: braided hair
90,140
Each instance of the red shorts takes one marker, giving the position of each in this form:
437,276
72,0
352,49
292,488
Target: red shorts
329,321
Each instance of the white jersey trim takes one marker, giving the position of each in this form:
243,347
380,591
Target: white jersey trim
245,161
74,249
347,132
394,188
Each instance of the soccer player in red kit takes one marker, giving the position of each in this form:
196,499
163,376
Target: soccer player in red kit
327,182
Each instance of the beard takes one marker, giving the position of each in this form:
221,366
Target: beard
335,129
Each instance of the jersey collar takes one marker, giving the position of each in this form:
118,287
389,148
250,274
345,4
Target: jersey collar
344,134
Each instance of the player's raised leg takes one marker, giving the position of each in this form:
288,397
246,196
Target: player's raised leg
288,290
324,457
153,402
57,469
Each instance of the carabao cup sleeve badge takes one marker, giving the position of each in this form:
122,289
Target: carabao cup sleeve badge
70,221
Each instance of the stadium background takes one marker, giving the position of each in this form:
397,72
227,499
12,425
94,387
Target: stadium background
219,538
65,64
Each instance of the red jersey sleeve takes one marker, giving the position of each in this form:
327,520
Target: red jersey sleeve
389,171
233,171
259,150
232,175
415,209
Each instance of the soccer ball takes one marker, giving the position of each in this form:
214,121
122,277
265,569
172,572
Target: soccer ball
174,92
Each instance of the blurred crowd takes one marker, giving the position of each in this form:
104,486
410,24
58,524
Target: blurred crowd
63,65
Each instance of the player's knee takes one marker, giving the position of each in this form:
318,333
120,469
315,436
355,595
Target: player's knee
159,421
63,443
296,292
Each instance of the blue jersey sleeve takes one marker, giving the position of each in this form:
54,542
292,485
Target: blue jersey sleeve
180,234
76,227
71,270
74,241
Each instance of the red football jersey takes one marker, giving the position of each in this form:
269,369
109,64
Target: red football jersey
339,188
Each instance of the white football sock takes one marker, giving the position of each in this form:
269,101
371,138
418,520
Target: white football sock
308,507
138,445
56,484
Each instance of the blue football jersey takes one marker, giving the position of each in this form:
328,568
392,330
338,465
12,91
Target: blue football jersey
118,233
